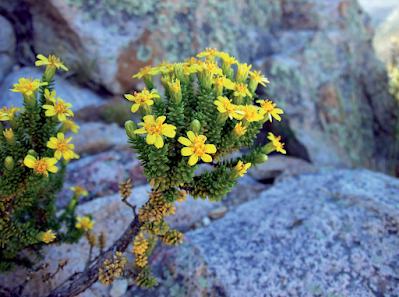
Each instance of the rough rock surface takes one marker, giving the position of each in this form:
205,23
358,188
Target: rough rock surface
277,164
99,175
97,137
7,46
316,53
316,234
112,217
77,96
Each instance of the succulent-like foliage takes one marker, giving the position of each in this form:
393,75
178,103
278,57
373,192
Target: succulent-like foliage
32,142
189,127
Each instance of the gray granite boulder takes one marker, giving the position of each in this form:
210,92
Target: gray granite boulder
317,54
8,42
332,233
79,97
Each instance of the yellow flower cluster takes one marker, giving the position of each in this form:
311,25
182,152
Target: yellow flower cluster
156,208
112,269
173,237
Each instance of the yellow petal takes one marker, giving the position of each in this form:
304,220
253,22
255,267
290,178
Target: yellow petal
210,148
60,136
193,160
206,158
52,169
29,161
184,141
158,142
191,135
51,145
186,151
150,139
135,107
169,133
161,118
140,131
51,161
57,155
61,117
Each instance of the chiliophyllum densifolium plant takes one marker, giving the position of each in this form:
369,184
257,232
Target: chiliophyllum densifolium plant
34,154
206,112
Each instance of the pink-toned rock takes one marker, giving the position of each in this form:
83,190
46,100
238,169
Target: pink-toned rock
218,213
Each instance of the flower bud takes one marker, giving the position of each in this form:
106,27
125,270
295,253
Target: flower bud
49,72
268,148
148,81
252,85
165,80
130,127
260,158
71,205
230,75
221,118
145,110
33,153
9,135
9,163
175,91
195,126
179,72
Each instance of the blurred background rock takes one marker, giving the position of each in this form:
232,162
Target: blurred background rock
326,61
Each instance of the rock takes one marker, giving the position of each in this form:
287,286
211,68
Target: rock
378,10
8,42
383,33
99,174
276,164
320,234
119,287
317,55
97,137
77,96
218,213
206,221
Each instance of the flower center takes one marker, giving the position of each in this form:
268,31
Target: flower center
40,166
268,106
199,147
154,128
60,108
62,146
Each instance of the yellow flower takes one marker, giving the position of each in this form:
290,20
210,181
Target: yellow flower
206,73
142,99
276,143
51,61
196,148
209,54
155,129
27,86
261,79
250,113
48,237
242,72
240,91
60,108
41,166
221,82
50,97
11,112
146,71
239,130
242,168
4,116
85,224
224,105
69,124
60,144
268,107
79,190
163,68
175,91
8,133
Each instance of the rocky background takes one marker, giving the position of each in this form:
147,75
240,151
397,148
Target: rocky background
319,221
